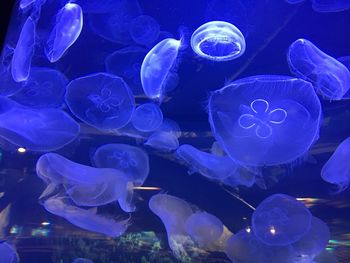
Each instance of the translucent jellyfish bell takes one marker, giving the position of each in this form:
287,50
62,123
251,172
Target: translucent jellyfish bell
157,68
265,120
147,117
144,30
8,253
281,220
219,41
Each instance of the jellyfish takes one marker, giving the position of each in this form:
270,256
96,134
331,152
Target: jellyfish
337,169
86,219
345,60
144,30
220,168
84,185
265,120
163,141
126,63
69,23
330,5
329,76
147,117
101,100
281,220
45,88
36,130
24,51
157,70
218,41
25,3
8,86
130,160
8,253
82,260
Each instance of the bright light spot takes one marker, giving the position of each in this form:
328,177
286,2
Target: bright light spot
149,188
248,229
14,230
272,230
45,223
21,150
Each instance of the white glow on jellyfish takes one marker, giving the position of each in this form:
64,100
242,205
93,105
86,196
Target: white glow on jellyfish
219,41
272,230
21,150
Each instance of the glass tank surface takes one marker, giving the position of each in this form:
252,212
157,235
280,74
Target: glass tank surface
160,131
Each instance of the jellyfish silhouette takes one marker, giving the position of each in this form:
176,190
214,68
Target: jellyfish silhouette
330,5
281,220
131,160
329,76
144,30
147,117
219,41
101,100
157,70
337,169
265,120
69,23
8,253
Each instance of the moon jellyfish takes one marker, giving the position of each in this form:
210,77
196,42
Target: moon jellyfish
144,30
8,86
157,68
101,100
281,220
337,169
329,76
24,51
163,141
330,5
45,88
265,120
85,185
36,130
82,260
220,168
147,117
218,40
130,160
8,253
69,23
86,218
126,63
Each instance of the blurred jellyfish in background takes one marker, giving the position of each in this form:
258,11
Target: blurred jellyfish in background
294,1
101,100
25,3
218,41
24,51
87,219
126,63
45,88
337,169
144,30
265,120
131,160
147,117
7,85
82,260
329,76
8,253
37,130
163,141
281,220
159,67
330,5
69,23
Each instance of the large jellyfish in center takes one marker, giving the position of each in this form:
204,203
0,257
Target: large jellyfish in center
265,120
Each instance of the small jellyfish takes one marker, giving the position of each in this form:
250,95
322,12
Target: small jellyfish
281,220
265,120
218,40
82,260
163,141
101,100
337,169
86,219
45,88
24,51
144,30
8,253
147,117
69,23
330,5
329,76
36,130
157,70
131,160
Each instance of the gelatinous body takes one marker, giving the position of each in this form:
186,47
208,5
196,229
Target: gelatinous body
147,117
7,85
69,23
281,220
329,76
85,218
101,100
82,260
163,141
131,160
337,169
330,5
144,30
265,120
24,51
26,3
157,66
219,41
85,185
37,130
45,88
8,253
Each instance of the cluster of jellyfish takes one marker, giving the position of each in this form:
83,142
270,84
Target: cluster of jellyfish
253,120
